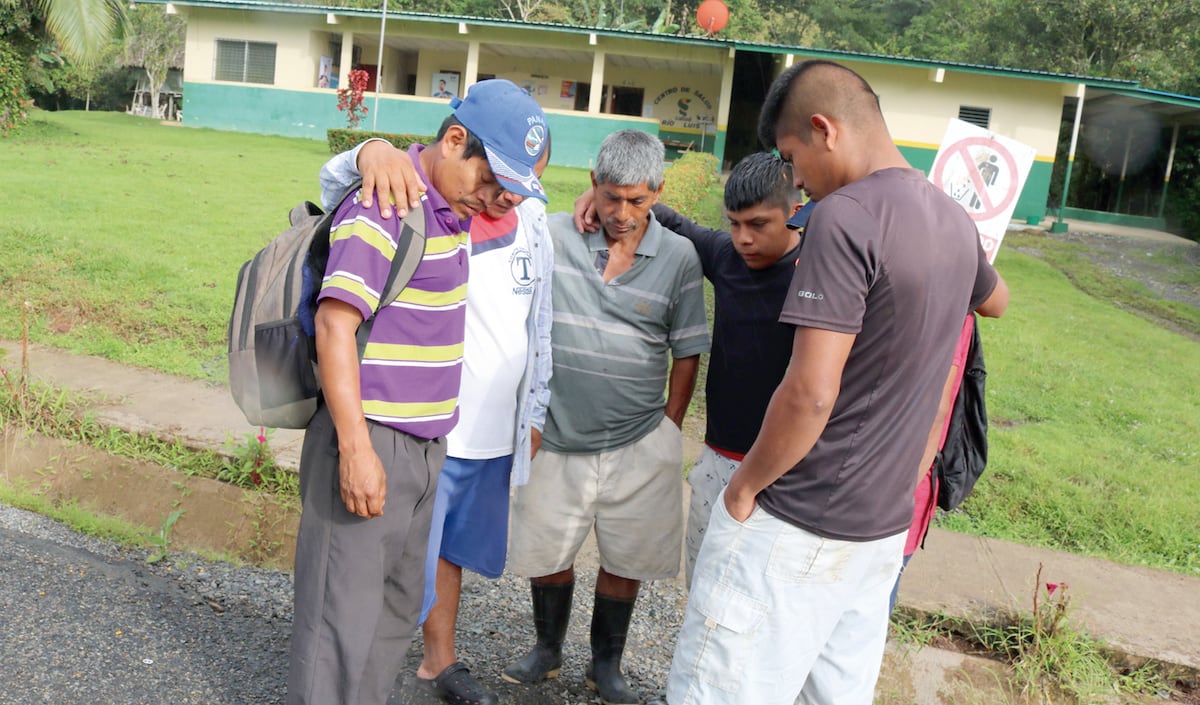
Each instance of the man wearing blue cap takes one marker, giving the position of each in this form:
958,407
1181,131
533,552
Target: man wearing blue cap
750,268
502,405
378,436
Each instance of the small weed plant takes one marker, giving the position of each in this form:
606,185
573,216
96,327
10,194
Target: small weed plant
162,542
1051,659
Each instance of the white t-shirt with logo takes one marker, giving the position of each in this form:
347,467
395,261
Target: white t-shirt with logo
499,298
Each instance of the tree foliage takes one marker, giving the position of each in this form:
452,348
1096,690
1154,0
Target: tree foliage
1156,42
154,42
82,27
38,36
1150,41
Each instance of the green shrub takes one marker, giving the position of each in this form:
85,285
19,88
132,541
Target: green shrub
13,107
693,188
340,139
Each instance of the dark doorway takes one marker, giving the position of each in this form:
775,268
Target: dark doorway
627,100
752,76
583,93
617,100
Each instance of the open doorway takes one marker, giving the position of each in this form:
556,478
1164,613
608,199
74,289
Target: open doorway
583,95
617,100
627,100
753,73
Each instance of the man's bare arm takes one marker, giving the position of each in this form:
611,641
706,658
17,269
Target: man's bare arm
996,303
680,386
363,481
796,416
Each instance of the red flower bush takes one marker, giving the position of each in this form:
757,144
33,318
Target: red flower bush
350,97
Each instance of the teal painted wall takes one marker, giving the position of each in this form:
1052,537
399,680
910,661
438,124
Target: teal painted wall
1133,221
270,111
1032,201
719,149
275,111
575,138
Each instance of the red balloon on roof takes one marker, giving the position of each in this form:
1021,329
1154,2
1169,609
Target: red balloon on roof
712,15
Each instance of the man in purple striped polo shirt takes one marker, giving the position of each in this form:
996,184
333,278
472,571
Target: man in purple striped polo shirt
378,435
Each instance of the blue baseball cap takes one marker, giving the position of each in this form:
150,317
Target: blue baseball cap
512,127
800,218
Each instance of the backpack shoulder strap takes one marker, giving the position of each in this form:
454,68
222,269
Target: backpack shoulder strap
302,211
410,249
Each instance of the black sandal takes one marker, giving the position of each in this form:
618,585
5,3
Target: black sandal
457,686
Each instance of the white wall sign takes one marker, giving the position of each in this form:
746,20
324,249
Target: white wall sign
985,173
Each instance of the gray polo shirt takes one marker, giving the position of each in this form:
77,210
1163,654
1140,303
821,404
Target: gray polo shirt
612,341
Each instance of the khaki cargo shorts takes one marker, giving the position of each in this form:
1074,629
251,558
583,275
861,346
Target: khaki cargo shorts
633,496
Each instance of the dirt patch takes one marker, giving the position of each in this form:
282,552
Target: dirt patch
218,518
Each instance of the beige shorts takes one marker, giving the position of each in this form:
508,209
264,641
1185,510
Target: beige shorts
633,496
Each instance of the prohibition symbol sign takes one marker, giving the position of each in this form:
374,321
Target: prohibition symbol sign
992,196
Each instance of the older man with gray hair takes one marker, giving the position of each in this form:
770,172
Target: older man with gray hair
627,299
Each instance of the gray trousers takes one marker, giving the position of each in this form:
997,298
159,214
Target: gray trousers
359,582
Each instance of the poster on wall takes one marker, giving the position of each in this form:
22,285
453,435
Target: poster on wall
567,90
325,72
445,84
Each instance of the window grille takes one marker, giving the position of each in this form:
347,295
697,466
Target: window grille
976,116
245,62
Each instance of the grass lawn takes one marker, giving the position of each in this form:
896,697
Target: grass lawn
126,236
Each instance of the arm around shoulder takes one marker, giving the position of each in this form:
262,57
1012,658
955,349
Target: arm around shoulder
338,174
385,171
704,239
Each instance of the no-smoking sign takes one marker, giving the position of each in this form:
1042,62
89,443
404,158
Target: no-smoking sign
985,173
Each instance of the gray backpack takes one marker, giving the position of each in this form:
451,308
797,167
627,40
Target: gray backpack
273,371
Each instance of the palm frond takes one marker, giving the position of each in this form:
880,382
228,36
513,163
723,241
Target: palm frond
83,27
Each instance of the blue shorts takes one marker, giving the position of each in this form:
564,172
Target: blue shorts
470,520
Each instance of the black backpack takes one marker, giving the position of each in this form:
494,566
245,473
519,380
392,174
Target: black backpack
964,455
273,371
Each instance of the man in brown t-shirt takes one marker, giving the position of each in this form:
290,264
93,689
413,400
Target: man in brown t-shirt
789,600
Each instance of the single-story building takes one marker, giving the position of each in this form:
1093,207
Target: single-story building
274,67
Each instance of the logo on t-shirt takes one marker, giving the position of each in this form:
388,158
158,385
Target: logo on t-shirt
810,295
520,264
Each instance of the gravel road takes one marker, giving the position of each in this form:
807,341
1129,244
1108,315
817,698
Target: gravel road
83,621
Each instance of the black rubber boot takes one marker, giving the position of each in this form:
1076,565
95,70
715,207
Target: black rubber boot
551,614
610,623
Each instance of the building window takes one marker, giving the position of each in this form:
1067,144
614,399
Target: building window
976,116
245,62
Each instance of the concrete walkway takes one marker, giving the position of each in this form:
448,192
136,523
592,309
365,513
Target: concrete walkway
1147,614
1087,226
